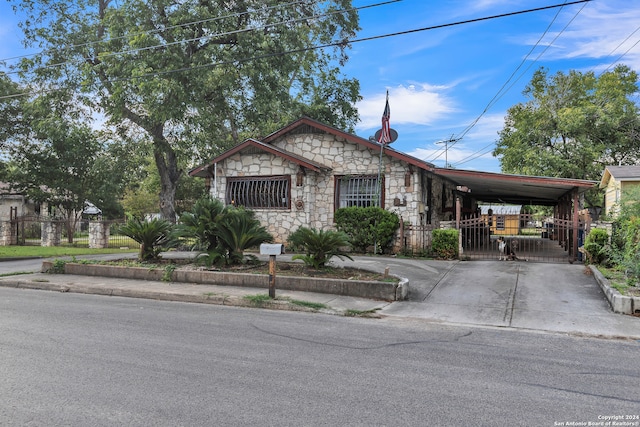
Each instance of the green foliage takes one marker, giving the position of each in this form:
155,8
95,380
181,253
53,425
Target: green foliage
224,232
183,89
368,227
258,300
58,267
572,125
152,235
201,224
167,274
444,243
631,253
597,247
625,252
238,230
319,246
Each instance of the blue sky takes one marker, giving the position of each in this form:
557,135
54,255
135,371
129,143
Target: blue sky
441,81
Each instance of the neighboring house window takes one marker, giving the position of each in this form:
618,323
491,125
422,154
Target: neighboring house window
259,192
361,191
499,222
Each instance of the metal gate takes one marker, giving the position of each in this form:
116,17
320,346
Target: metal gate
27,229
531,237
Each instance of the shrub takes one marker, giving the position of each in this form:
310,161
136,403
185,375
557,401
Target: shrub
597,247
444,243
238,230
319,246
631,254
367,227
224,232
200,225
151,235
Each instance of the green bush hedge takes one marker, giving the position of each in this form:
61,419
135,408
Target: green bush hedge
596,246
444,243
368,227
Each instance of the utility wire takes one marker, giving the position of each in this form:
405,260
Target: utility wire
332,44
498,94
156,31
474,156
209,36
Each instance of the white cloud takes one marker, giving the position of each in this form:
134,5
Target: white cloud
600,30
419,103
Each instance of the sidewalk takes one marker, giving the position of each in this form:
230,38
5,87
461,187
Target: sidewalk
554,298
194,293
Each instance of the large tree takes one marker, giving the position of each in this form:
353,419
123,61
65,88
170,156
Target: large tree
194,77
573,125
56,160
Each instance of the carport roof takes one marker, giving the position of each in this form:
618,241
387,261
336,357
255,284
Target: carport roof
515,189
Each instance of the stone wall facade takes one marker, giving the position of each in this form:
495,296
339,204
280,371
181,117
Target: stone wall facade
416,195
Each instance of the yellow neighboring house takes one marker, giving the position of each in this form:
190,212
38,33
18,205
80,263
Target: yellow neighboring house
502,219
616,180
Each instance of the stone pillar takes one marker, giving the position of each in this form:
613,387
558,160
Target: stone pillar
8,234
51,233
98,235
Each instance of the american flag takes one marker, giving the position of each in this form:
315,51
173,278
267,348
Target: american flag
385,134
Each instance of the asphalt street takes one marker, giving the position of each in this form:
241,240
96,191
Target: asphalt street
88,360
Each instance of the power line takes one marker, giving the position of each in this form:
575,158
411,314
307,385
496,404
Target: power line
498,94
496,98
209,36
331,44
149,32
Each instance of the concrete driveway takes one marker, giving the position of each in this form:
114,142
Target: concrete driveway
515,294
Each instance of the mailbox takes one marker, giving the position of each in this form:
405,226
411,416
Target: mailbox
271,249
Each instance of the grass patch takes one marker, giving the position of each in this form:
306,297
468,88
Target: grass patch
53,251
618,280
258,299
17,273
308,304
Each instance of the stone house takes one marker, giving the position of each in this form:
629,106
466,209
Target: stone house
615,181
14,204
301,174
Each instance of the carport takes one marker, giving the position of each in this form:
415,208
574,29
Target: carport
558,238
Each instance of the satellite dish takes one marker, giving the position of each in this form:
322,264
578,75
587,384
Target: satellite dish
392,133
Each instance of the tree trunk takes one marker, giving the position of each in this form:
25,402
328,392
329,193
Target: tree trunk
167,165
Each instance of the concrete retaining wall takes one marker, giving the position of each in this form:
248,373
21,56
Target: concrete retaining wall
619,303
363,289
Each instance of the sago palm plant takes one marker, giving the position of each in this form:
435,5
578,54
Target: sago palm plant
237,231
151,235
319,246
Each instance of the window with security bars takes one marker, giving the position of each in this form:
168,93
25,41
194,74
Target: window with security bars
361,191
259,192
500,220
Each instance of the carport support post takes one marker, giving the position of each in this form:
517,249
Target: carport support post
458,213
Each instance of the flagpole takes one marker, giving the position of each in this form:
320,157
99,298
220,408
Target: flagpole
384,138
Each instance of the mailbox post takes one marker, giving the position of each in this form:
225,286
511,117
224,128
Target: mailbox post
272,250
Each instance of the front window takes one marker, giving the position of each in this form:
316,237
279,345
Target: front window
259,192
500,219
361,191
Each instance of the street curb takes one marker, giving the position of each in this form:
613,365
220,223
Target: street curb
205,298
619,303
